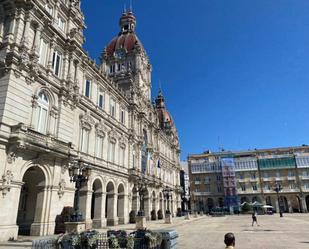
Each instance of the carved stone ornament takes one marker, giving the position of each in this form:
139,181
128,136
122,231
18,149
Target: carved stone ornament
11,157
54,112
122,142
86,120
24,59
6,182
62,185
34,101
113,135
101,129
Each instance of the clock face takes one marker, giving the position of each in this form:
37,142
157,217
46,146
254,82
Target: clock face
120,54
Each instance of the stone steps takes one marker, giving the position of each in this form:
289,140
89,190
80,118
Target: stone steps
16,244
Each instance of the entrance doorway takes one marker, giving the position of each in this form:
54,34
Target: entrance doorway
31,202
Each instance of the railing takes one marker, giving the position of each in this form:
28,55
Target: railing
201,193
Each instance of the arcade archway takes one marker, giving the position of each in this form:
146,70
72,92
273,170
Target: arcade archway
30,208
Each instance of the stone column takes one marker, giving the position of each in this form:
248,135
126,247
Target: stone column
19,26
8,226
10,35
65,65
56,11
25,40
51,54
147,208
42,210
37,40
1,28
303,205
99,220
135,202
112,219
277,206
126,209
71,68
85,206
290,205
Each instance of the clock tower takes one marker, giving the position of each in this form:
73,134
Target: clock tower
125,59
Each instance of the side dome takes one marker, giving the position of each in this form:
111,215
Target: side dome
165,118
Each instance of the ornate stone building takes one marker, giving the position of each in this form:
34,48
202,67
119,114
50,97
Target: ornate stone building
58,106
252,177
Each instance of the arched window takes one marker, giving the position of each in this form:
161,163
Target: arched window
42,112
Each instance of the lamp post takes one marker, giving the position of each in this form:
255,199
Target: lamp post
277,189
79,173
167,192
141,186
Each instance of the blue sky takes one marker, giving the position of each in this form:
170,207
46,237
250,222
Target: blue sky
234,73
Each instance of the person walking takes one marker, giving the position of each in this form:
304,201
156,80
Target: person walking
254,218
229,240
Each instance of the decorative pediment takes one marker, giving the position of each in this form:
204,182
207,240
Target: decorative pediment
86,120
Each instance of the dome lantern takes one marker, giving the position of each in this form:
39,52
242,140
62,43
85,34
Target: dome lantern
127,22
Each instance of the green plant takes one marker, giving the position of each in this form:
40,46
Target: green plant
73,239
89,239
113,242
130,241
153,238
246,207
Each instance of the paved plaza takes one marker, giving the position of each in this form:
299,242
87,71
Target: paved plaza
204,232
291,231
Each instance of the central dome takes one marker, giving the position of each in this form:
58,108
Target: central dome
126,39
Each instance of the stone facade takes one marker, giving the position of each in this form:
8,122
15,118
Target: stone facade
58,106
253,176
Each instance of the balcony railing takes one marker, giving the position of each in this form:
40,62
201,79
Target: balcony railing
202,193
24,136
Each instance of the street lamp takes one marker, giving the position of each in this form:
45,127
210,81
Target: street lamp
277,189
79,173
167,192
141,186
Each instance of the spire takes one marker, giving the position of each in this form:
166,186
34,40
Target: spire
160,99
